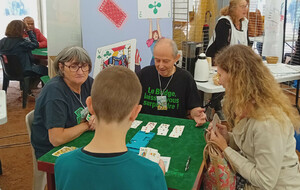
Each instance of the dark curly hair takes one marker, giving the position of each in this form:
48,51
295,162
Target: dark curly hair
15,28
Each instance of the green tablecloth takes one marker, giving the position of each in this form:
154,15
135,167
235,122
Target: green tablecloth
191,143
40,52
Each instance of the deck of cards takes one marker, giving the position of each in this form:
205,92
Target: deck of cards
135,124
215,120
177,131
150,153
149,127
63,150
163,129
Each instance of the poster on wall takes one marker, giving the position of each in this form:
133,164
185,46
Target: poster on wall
118,54
154,9
274,23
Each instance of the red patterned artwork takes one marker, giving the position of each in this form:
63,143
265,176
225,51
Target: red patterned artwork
113,12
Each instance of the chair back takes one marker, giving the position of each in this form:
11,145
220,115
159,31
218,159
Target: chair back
39,177
12,67
29,120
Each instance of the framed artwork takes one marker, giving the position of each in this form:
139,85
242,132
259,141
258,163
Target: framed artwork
154,9
121,53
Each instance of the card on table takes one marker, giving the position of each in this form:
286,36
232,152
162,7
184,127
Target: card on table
163,129
177,131
149,127
135,124
63,150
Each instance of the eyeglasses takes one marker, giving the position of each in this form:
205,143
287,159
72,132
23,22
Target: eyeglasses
244,6
74,67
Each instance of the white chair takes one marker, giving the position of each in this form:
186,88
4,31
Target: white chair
39,177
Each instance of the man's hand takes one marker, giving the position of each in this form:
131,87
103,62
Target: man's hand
198,115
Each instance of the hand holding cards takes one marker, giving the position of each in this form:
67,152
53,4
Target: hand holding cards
215,120
153,155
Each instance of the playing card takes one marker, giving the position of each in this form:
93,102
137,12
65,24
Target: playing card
215,120
166,161
162,131
63,150
151,125
113,12
177,131
135,124
143,151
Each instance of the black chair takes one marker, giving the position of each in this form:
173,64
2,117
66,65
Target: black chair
12,70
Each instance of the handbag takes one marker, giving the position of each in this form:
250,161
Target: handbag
219,172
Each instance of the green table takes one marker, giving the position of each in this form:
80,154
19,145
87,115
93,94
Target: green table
40,53
191,143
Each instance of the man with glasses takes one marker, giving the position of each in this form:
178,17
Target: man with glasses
60,111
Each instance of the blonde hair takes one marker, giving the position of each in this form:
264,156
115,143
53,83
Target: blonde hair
115,91
230,10
251,88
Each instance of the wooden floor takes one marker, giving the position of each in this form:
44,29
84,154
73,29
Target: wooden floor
15,151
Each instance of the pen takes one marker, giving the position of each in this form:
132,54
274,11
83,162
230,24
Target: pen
187,165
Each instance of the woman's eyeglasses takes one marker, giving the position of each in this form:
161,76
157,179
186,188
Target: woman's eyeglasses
75,67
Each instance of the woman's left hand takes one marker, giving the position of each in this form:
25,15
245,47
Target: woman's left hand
216,137
92,123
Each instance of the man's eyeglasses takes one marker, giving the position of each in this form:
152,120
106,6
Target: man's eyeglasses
74,67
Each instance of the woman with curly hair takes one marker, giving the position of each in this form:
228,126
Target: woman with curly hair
261,146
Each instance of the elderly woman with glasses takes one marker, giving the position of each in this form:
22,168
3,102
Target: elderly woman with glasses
60,111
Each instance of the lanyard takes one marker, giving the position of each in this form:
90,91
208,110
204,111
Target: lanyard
162,91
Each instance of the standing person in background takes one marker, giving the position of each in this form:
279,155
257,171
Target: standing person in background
39,36
261,146
231,29
154,36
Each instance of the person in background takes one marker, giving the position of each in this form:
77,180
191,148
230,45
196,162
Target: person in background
106,158
261,146
231,29
168,90
60,110
39,36
15,44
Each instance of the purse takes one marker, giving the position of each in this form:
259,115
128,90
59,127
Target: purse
219,172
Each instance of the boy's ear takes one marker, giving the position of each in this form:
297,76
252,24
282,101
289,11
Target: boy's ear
89,105
135,111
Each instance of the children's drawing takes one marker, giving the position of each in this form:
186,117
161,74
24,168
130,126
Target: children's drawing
118,54
154,9
154,36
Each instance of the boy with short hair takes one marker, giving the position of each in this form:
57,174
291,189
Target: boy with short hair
106,163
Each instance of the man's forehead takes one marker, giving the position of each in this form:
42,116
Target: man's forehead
29,20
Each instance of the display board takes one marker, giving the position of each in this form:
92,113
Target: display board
63,25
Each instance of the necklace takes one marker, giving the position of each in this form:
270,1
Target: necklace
162,91
79,99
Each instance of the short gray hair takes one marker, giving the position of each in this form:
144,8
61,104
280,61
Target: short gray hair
171,42
71,53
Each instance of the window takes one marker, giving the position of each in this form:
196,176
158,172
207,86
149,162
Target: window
17,10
